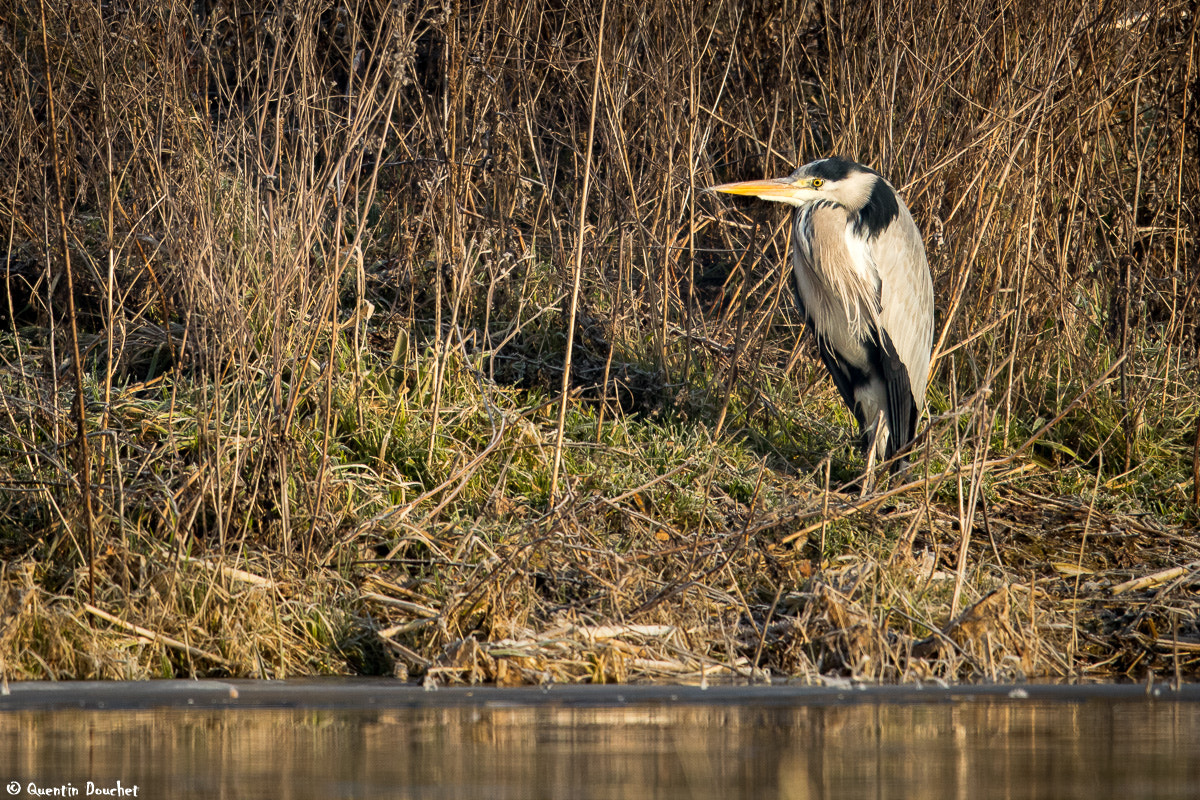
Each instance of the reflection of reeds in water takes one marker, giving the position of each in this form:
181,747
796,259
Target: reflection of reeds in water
978,748
321,261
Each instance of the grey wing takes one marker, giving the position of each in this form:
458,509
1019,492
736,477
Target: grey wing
906,302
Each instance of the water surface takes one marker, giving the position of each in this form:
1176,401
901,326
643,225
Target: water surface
370,739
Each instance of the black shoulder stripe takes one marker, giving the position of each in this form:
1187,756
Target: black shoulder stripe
881,208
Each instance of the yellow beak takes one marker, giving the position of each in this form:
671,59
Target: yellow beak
774,187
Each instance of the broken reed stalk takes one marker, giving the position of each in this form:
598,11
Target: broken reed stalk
147,635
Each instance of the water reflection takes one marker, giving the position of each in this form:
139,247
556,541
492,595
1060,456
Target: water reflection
977,749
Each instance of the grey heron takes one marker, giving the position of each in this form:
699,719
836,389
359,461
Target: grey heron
863,284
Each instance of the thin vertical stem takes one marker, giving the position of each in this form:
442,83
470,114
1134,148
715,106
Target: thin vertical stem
451,102
83,466
578,269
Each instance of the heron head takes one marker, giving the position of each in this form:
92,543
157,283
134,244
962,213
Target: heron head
836,180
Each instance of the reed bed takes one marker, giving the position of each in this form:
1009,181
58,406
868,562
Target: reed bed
358,337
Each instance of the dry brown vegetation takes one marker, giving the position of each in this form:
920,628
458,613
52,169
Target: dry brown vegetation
305,275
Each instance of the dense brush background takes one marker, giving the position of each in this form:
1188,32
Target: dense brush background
309,267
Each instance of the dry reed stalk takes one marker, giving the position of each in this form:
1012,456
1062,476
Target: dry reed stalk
577,271
83,469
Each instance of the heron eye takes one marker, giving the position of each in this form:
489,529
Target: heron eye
817,183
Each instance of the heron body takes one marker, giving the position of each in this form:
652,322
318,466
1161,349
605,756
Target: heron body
863,284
